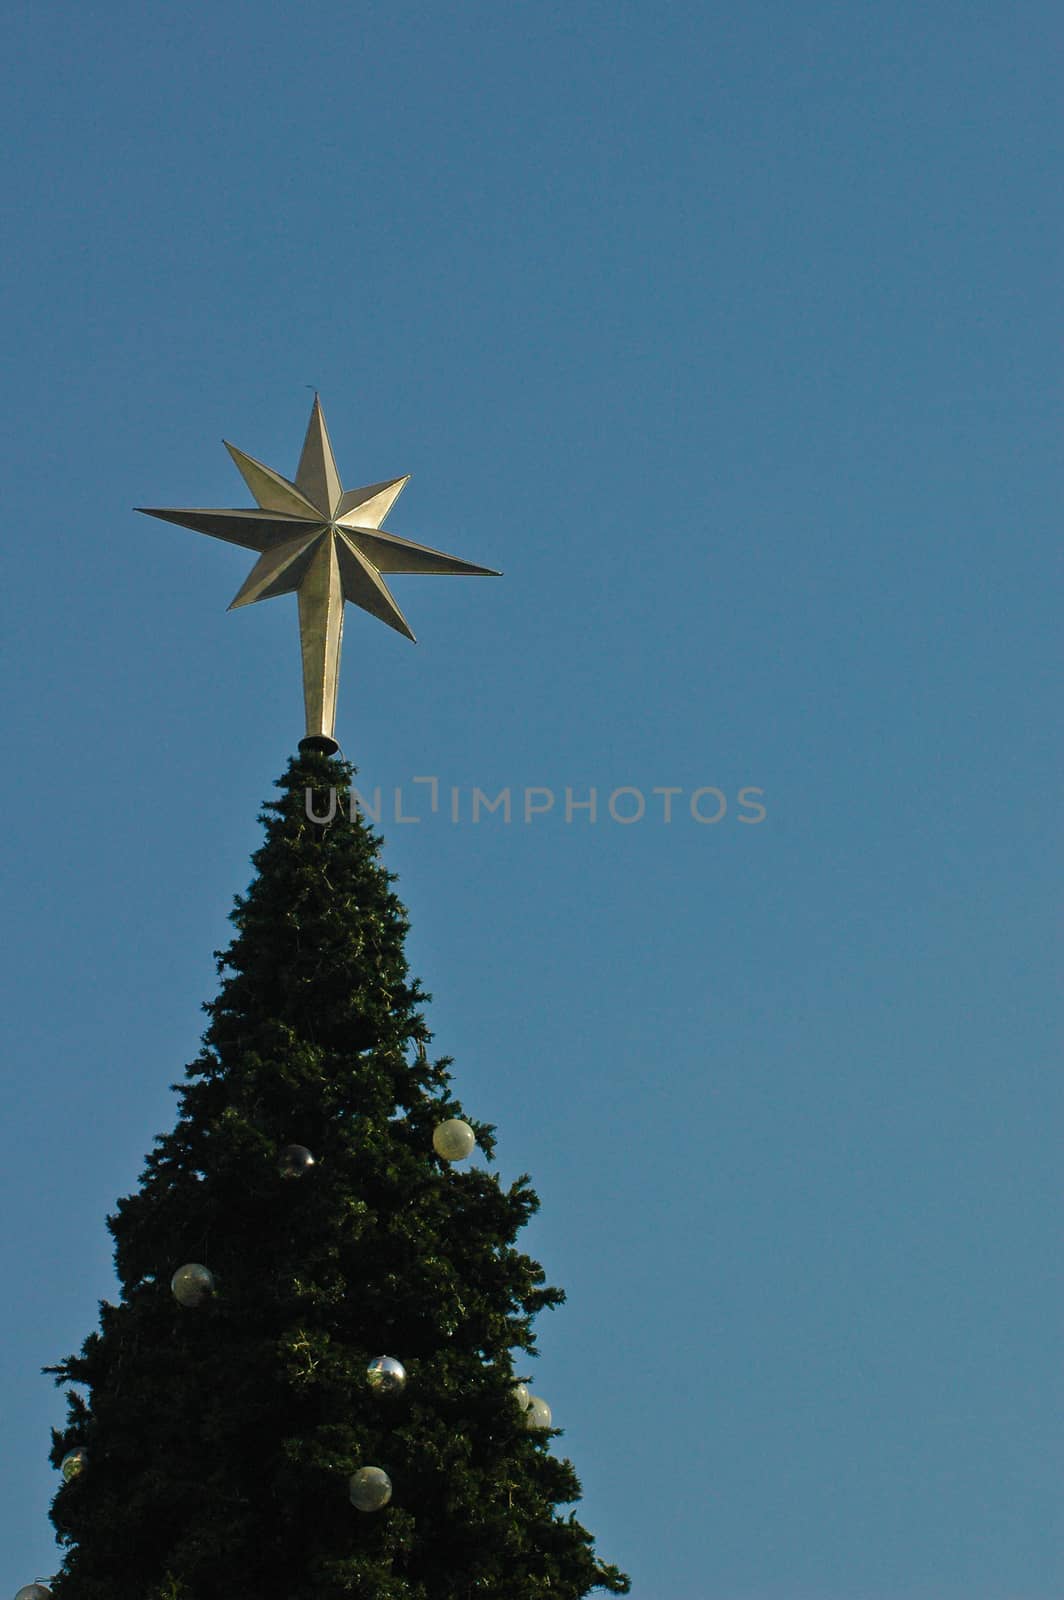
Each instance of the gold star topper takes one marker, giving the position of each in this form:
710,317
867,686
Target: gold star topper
327,544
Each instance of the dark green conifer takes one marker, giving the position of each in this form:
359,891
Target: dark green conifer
220,1439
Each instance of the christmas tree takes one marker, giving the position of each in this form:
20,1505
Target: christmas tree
232,1417
314,1383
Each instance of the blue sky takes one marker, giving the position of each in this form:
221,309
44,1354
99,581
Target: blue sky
732,335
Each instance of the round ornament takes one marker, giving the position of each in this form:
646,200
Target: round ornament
386,1375
370,1489
73,1463
295,1160
537,1417
192,1283
522,1396
33,1591
453,1139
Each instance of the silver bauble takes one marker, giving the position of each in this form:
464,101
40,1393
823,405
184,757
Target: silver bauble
192,1283
453,1139
74,1462
522,1396
537,1417
386,1375
370,1489
33,1591
295,1160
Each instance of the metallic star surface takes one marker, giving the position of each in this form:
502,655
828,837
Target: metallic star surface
325,543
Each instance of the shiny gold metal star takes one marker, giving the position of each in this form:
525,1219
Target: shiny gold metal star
327,544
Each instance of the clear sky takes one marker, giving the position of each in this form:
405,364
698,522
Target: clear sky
732,334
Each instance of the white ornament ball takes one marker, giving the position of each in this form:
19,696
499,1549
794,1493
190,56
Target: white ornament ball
453,1139
386,1375
370,1489
192,1283
295,1160
33,1591
522,1396
73,1463
537,1417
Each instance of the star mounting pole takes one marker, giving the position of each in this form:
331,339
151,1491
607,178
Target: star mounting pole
327,544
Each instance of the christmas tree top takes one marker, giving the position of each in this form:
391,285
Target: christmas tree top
326,544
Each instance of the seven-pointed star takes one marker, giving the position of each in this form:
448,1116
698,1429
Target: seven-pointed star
325,543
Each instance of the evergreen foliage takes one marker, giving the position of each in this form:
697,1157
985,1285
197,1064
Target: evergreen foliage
220,1440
